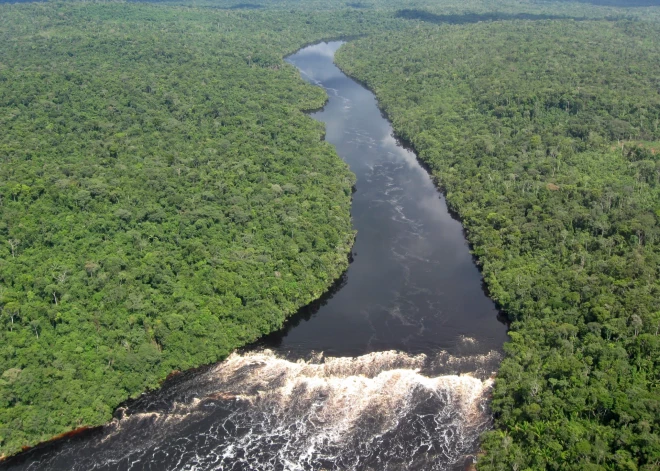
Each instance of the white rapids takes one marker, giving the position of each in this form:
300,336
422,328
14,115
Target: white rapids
260,411
338,412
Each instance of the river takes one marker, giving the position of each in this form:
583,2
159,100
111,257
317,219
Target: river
389,371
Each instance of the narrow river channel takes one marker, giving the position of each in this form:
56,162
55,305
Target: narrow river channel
390,371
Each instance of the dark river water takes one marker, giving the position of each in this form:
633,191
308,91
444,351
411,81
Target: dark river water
390,371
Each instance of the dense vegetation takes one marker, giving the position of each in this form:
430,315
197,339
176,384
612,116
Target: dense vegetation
163,199
545,137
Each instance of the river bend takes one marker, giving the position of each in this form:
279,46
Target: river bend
390,371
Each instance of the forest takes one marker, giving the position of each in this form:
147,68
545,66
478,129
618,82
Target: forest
164,199
545,137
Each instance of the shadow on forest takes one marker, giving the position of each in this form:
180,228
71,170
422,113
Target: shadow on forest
422,15
246,6
358,5
613,3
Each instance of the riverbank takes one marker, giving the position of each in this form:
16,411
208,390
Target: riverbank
408,312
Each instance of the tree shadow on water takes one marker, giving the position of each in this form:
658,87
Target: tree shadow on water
274,340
